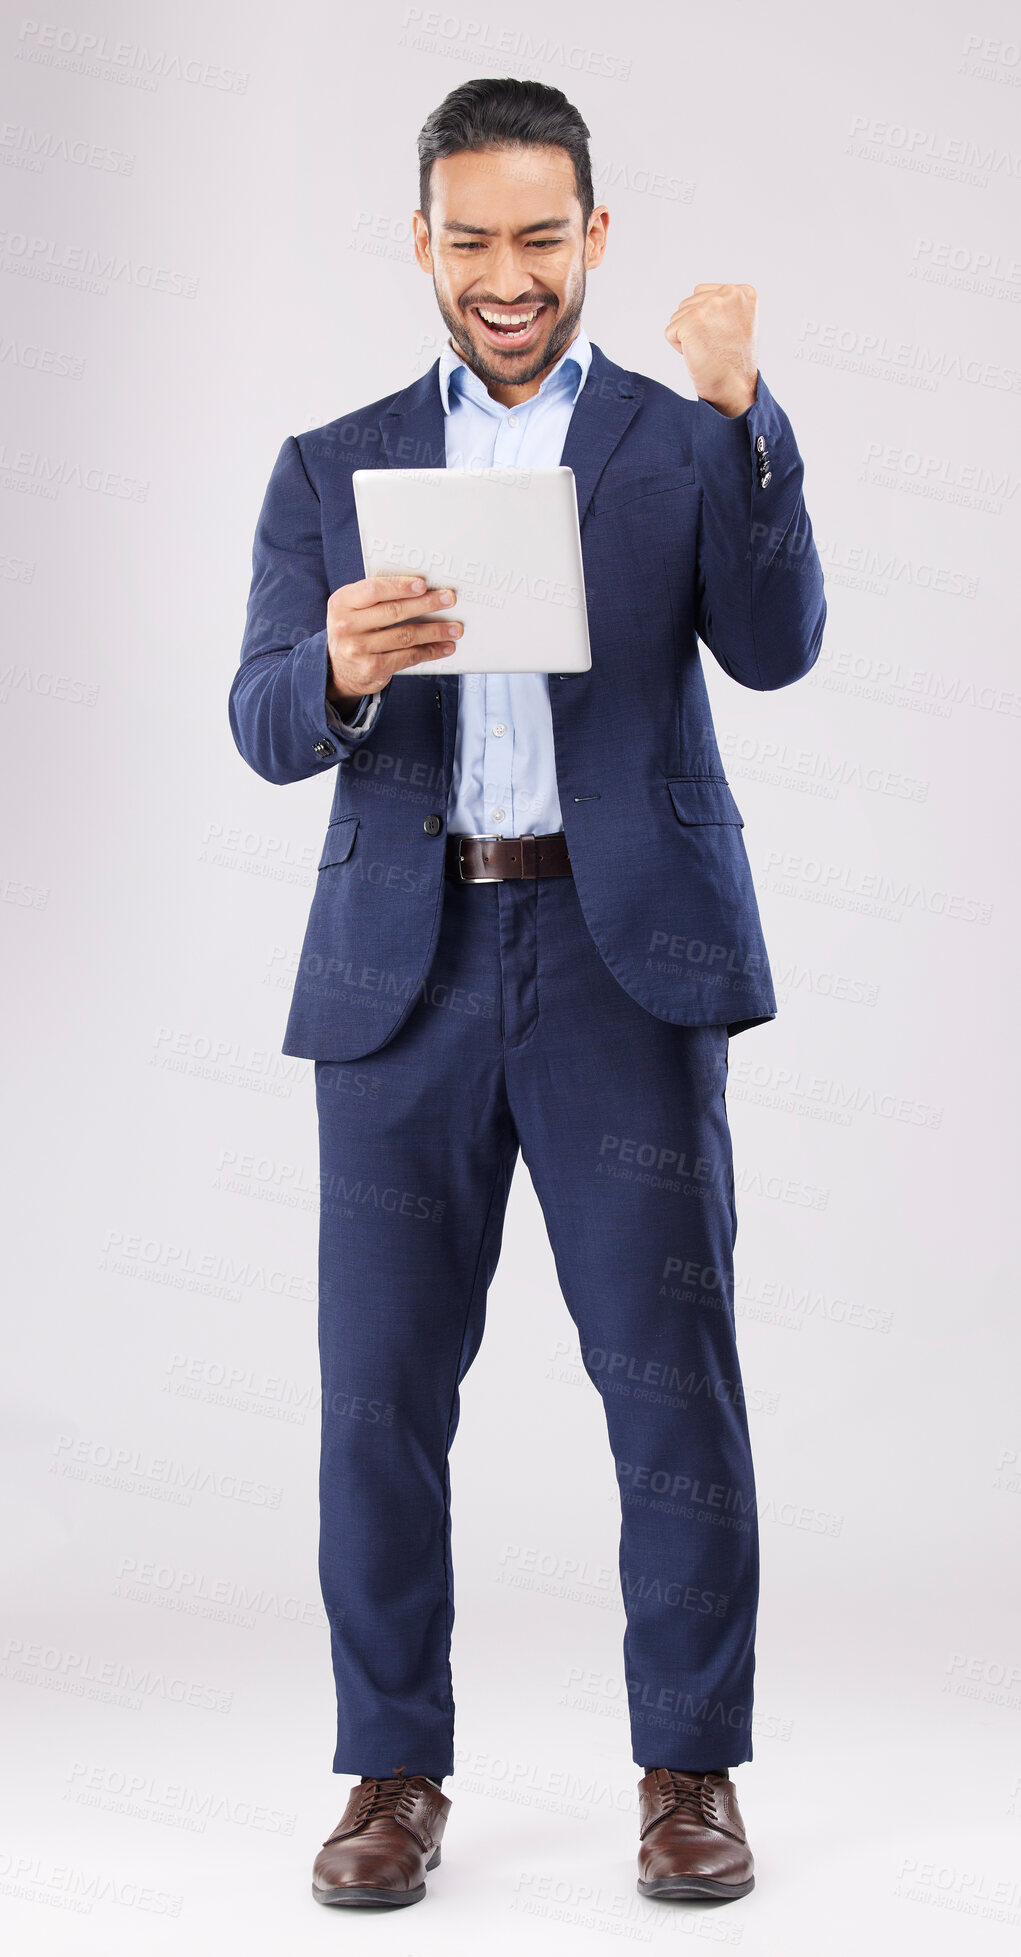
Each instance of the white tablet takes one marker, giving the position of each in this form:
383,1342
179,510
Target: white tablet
506,540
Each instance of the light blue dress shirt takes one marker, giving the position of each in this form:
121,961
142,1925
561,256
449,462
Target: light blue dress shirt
504,779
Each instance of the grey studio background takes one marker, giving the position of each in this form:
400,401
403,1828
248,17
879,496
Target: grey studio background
206,247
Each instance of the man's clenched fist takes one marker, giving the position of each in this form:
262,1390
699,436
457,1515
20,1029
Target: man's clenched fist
716,330
375,626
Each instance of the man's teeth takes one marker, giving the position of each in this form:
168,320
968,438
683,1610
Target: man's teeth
515,322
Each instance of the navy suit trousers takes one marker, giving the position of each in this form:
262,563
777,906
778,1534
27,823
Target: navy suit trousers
522,1039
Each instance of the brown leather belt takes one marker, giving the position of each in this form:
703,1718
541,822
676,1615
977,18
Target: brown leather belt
492,859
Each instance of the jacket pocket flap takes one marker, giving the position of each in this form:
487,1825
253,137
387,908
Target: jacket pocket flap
704,798
339,841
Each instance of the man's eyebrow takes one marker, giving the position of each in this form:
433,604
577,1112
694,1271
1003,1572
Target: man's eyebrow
480,231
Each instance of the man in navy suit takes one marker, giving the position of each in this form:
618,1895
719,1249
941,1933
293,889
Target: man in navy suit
534,910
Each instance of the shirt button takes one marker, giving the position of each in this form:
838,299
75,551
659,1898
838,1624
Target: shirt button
512,421
499,727
497,815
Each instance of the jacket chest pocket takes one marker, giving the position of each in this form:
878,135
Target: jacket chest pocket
660,482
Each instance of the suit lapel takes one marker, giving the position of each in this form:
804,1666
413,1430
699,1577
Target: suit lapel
411,430
604,408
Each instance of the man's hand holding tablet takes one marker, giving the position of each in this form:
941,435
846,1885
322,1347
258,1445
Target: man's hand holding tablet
369,637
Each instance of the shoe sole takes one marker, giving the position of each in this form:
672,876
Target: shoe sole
364,1895
678,1887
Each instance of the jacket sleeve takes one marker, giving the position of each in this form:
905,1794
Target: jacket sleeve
278,708
760,604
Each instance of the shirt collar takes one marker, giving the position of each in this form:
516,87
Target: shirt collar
569,373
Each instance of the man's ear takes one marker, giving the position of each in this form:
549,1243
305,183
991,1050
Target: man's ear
595,237
423,248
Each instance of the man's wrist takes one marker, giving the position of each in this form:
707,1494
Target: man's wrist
733,403
345,703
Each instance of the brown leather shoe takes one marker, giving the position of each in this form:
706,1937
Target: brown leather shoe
387,1837
692,1837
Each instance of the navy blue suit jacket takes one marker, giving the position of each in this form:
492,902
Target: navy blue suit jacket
693,525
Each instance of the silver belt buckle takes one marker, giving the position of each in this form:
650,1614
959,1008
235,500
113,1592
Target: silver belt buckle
476,839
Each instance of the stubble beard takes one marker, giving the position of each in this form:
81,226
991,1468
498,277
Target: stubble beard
563,331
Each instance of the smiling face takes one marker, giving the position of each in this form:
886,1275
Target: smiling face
508,258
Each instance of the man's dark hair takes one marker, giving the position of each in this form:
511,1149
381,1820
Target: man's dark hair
481,115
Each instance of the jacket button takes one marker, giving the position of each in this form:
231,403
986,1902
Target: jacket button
323,748
760,443
432,825
767,478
